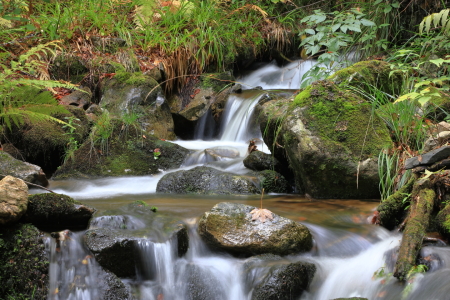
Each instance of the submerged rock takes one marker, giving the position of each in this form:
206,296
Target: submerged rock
278,279
229,227
202,284
24,263
272,182
55,212
20,169
206,180
13,199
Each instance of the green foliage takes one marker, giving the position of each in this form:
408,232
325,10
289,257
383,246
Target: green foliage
101,132
387,171
333,36
72,144
22,98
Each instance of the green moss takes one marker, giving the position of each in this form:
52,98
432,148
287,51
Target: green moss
216,81
49,203
23,263
136,78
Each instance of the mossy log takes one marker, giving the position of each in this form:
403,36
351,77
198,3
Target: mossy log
422,202
392,210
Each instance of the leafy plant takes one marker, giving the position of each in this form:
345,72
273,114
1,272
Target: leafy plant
101,132
72,144
332,36
22,77
387,171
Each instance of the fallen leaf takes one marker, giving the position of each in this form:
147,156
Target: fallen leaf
262,214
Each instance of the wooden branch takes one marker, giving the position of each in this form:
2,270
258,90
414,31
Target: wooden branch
32,184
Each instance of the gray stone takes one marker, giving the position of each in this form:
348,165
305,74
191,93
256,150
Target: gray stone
79,98
13,199
259,161
274,278
206,180
229,227
428,158
23,170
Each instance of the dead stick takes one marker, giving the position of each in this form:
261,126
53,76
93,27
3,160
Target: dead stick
33,184
262,194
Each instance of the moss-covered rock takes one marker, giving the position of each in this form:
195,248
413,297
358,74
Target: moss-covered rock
24,265
44,143
272,181
69,68
206,180
276,278
54,212
138,95
126,151
368,75
332,140
229,227
259,161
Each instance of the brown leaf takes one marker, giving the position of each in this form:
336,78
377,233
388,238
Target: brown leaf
262,214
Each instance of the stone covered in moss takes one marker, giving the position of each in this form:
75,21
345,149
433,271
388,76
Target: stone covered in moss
206,180
332,139
128,94
229,227
369,75
69,68
23,263
44,143
278,279
55,212
124,152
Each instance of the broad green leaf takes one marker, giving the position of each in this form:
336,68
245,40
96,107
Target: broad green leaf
428,24
344,28
444,17
422,83
335,27
366,22
423,100
355,28
436,19
310,31
438,62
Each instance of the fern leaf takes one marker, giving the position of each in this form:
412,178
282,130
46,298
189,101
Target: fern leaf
436,18
444,17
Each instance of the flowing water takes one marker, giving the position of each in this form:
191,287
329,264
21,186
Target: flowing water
353,258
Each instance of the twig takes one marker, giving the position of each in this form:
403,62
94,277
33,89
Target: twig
33,184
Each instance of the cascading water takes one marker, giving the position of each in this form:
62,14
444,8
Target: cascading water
347,255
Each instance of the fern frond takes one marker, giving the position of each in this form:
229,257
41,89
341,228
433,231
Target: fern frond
40,51
438,19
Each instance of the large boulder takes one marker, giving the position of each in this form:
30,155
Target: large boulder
330,159
275,278
272,182
123,152
24,263
206,180
230,227
260,161
54,212
369,75
138,95
20,169
13,199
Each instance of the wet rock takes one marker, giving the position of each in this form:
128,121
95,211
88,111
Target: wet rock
78,98
13,199
428,158
128,94
205,180
121,234
229,227
24,263
127,153
69,68
259,161
278,279
202,284
54,212
112,287
329,159
23,170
